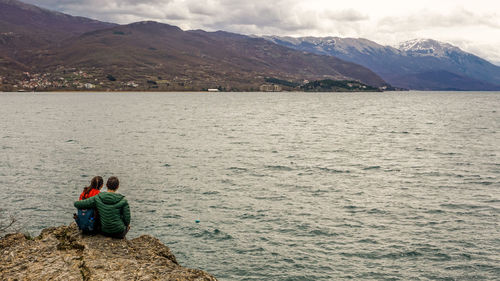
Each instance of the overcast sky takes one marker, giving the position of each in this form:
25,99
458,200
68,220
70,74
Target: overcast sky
473,25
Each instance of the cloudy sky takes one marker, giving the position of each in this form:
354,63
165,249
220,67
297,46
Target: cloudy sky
473,25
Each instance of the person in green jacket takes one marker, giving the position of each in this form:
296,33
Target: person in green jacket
114,212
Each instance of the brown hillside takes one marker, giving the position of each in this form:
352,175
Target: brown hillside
195,59
25,28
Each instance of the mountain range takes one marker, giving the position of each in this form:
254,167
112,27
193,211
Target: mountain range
421,64
46,50
50,50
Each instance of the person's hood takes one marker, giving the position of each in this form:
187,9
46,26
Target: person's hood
110,198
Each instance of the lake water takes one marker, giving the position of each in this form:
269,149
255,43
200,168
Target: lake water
286,186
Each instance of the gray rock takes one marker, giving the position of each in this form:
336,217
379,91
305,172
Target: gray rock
62,253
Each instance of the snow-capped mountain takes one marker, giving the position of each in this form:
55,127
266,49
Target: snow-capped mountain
327,45
427,47
423,64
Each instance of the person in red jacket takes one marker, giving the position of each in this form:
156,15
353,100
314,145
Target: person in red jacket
93,189
90,191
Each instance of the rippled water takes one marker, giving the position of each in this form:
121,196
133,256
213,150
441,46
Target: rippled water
287,186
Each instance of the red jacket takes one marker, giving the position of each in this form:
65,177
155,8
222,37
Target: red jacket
93,192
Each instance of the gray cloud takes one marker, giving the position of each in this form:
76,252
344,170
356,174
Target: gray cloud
349,15
425,19
258,16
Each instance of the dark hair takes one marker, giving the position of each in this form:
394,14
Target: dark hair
95,183
113,183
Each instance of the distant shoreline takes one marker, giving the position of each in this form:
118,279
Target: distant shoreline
214,93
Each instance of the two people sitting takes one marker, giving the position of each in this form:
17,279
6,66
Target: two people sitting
112,212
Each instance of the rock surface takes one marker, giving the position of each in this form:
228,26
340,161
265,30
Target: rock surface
62,253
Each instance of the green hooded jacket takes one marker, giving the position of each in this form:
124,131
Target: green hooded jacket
113,209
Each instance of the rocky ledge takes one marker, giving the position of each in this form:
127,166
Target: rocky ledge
62,253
